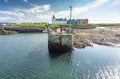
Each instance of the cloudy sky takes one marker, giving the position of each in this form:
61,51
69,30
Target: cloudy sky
97,11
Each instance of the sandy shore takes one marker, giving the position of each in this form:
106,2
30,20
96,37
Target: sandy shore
109,36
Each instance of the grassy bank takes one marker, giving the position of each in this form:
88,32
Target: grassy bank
42,25
49,25
30,25
64,25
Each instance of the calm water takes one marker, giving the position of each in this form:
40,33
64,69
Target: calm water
25,56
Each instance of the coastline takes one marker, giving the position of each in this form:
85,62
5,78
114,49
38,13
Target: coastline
22,29
83,36
6,32
107,36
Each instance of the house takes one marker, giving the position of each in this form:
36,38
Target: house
85,21
4,24
77,21
58,20
73,21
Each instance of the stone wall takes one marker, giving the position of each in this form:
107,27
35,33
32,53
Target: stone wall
60,42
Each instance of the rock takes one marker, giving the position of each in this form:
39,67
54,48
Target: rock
101,36
117,35
6,32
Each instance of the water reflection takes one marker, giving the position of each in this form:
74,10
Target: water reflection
57,54
63,58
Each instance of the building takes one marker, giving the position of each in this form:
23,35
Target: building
72,21
4,24
77,21
85,21
58,20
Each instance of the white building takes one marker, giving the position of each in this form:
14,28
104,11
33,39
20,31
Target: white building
4,24
58,20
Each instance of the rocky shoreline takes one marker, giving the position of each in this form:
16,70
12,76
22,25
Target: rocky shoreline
108,36
14,30
6,32
26,29
83,37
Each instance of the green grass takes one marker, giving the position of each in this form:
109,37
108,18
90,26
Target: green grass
64,25
42,25
30,25
59,25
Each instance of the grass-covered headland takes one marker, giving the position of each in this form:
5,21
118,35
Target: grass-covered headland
42,25
64,25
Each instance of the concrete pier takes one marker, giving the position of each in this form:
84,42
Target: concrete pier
60,42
